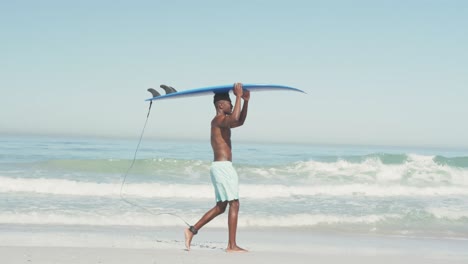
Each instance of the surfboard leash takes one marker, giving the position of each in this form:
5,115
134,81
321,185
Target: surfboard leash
122,197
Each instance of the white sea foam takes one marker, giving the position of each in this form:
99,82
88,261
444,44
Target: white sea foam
247,220
304,220
132,219
416,170
448,213
256,191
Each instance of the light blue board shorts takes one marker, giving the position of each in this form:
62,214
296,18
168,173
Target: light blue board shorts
225,181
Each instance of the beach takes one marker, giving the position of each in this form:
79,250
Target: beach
81,245
67,200
17,255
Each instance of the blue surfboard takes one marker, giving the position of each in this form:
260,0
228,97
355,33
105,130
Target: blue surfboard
172,93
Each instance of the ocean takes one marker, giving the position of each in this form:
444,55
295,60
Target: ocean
389,191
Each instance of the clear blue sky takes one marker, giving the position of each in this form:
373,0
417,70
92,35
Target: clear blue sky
376,72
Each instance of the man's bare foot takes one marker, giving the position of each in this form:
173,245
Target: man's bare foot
236,249
188,238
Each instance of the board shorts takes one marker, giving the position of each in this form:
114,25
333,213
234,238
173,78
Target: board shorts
225,181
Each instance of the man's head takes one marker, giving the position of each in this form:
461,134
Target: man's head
223,101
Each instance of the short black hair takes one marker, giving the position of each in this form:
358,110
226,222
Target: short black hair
221,96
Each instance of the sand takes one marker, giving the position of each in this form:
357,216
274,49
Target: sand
114,245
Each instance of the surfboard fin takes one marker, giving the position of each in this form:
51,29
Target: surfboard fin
154,92
168,89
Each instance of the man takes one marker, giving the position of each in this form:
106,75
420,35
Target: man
223,175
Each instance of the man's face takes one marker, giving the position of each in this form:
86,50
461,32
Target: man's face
227,106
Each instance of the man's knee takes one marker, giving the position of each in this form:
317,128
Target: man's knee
221,207
234,204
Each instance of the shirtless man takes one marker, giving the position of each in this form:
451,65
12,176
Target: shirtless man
223,175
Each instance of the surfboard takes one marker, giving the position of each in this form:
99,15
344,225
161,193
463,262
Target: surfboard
172,93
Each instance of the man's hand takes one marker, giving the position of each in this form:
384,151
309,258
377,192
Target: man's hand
238,89
246,95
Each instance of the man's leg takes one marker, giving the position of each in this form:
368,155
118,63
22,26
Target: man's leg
232,226
218,209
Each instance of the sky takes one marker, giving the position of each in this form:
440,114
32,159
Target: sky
375,72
